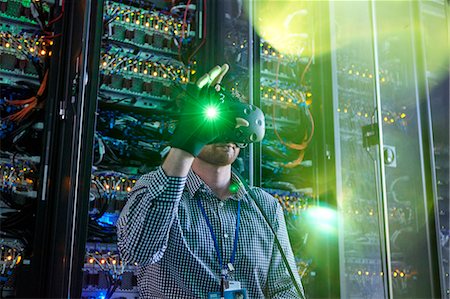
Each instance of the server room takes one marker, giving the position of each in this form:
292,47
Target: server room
224,149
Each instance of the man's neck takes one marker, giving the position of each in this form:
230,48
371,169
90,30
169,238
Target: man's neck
218,178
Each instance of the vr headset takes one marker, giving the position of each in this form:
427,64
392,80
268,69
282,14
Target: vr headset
250,124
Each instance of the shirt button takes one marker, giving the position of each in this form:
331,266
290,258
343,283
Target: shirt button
221,204
225,235
161,188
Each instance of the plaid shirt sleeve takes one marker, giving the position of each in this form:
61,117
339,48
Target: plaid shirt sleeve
145,221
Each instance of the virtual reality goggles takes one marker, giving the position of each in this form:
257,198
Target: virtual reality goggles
250,123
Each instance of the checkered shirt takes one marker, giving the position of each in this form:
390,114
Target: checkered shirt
162,229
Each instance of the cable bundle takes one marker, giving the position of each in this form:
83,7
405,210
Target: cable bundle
30,103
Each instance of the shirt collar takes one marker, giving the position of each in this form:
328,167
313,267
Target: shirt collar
194,183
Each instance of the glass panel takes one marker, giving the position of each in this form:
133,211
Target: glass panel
360,215
286,54
403,156
235,49
434,24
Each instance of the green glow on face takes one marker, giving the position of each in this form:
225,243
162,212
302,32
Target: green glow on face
211,112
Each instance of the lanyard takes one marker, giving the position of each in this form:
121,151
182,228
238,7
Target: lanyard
216,245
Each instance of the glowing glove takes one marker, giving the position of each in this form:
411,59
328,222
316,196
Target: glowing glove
204,116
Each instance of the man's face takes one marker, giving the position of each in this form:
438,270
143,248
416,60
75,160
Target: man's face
219,154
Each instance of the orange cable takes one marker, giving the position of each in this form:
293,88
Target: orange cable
306,140
32,102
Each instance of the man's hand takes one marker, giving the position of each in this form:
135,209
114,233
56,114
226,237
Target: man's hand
203,118
214,76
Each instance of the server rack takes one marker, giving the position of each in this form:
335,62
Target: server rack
126,101
381,145
43,40
285,89
149,54
131,95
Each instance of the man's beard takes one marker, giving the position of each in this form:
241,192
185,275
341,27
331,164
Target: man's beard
219,154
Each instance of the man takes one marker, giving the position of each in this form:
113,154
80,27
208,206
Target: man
194,230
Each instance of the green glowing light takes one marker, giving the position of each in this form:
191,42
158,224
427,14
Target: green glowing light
211,112
322,218
322,214
234,188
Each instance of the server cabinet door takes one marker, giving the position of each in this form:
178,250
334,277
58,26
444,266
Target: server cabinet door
382,169
404,171
361,233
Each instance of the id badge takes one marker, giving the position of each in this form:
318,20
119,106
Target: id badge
233,285
229,294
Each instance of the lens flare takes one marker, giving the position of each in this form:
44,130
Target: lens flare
284,26
322,218
211,112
